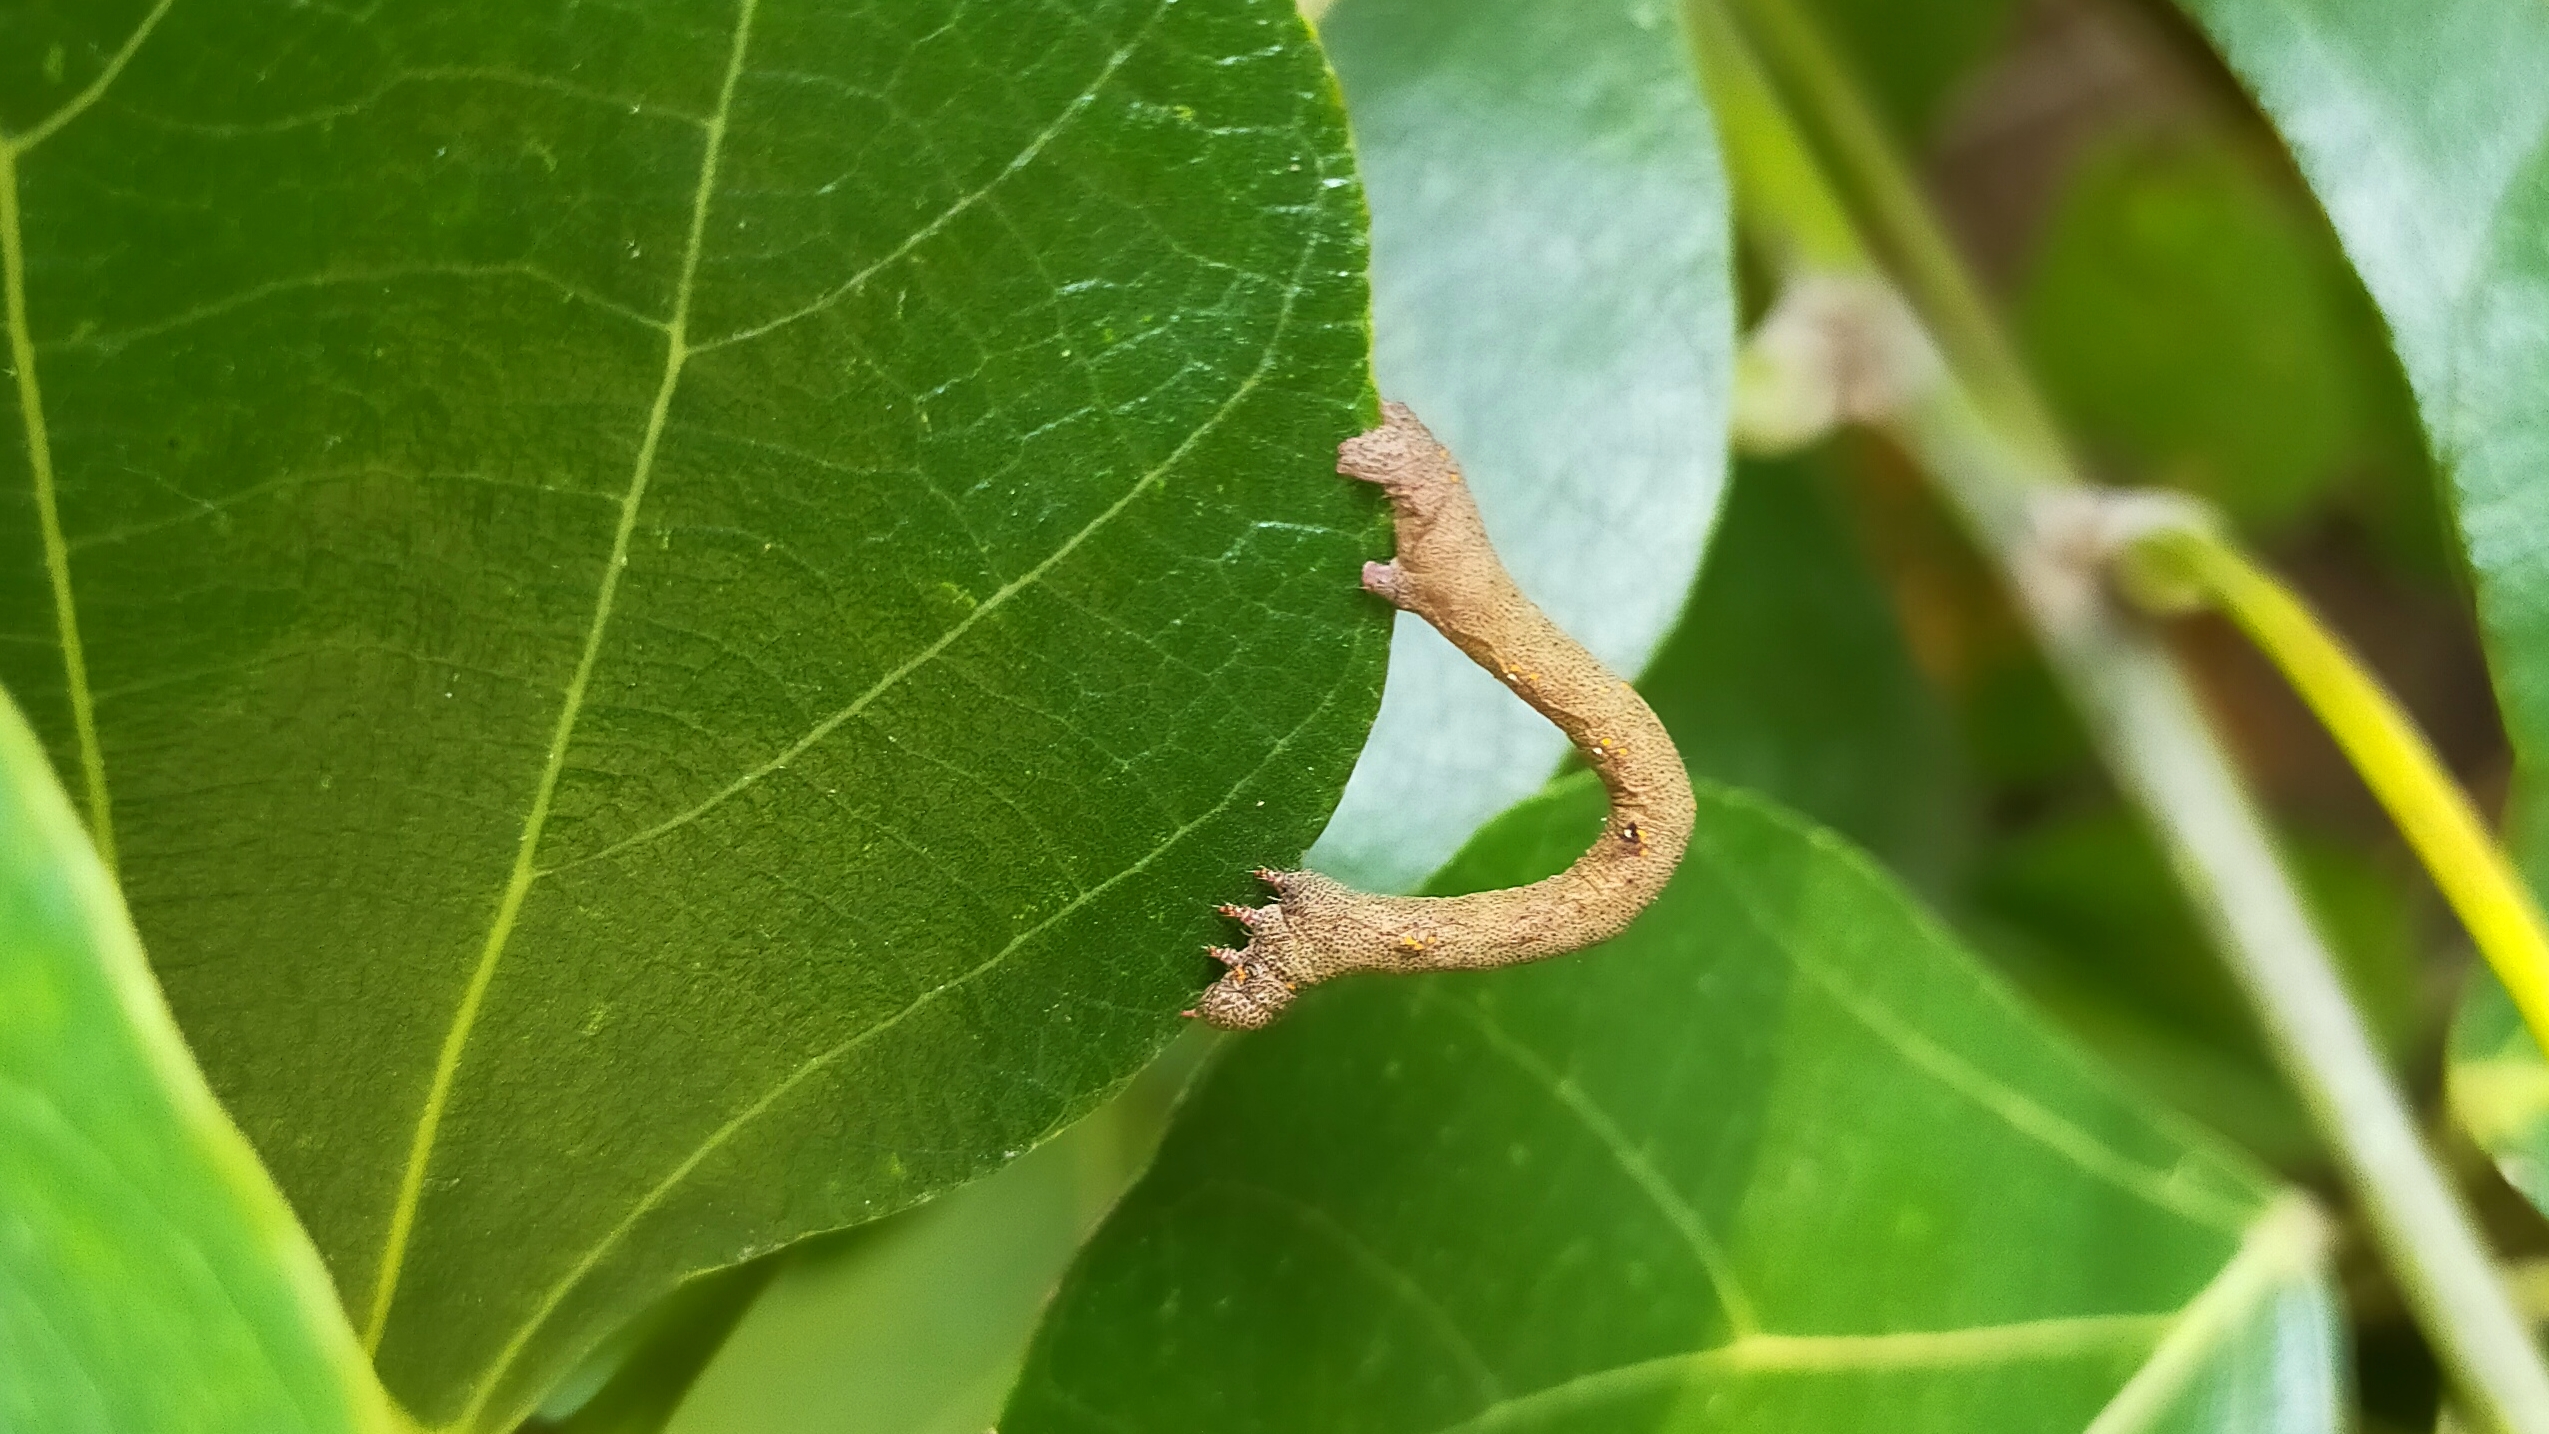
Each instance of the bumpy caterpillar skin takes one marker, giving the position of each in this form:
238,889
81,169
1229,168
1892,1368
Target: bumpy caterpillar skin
1447,573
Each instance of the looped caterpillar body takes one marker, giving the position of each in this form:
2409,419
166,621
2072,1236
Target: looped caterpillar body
1447,573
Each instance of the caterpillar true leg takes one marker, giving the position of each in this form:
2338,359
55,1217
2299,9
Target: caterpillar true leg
1447,573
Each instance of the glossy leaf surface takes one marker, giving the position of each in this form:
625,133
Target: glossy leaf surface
151,1277
1551,293
680,610
1779,1157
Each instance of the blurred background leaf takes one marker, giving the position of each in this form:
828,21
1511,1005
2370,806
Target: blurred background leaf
2500,1086
1789,674
1914,71
2195,319
2176,286
2425,135
2192,321
918,1324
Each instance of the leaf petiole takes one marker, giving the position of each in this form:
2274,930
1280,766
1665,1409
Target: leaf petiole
2394,759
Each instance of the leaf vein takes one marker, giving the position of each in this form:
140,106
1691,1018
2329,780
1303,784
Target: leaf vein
78,104
2020,1113
1704,1246
1979,1346
960,205
525,869
989,605
821,1060
121,339
57,553
441,74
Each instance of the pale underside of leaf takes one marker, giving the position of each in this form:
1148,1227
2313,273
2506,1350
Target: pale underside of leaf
1552,293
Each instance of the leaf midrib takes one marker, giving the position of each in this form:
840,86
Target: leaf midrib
526,871
677,352
39,440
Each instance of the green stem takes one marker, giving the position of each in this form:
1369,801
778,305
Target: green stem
1983,436
2432,812
1902,224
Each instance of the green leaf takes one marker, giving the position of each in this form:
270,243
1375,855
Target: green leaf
151,1277
2498,1086
2425,134
683,608
1779,1156
1789,674
1551,292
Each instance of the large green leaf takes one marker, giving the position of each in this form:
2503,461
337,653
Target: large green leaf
683,608
2425,133
1551,291
1780,1158
151,1279
1786,673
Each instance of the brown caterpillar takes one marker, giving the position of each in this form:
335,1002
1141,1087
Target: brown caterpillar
1447,573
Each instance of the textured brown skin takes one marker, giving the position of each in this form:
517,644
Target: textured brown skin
1447,573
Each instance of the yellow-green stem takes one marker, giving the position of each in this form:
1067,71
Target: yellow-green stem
2432,812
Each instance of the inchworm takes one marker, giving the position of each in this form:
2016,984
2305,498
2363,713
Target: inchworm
1447,573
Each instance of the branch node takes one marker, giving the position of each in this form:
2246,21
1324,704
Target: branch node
2078,537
